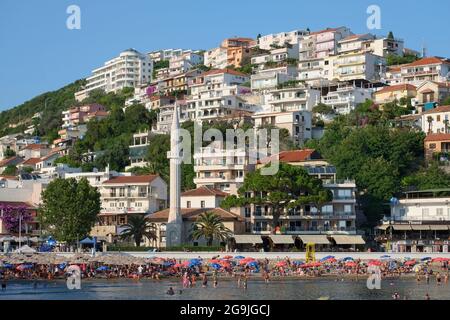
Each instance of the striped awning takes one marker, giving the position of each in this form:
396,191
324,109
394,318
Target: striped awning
248,239
282,239
345,239
315,239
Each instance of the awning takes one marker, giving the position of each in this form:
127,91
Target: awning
316,239
252,239
439,227
282,239
383,227
402,227
420,227
341,239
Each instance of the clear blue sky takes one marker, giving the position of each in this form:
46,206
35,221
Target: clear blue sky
38,53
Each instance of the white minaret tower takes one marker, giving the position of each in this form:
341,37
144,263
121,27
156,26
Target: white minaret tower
175,222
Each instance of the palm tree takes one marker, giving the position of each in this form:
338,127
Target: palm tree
210,226
137,229
430,123
446,125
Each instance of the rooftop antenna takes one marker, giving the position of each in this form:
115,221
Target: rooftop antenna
424,50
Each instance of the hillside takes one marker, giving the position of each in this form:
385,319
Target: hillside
18,118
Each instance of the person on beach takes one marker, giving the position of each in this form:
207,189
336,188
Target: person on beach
427,277
215,279
4,284
446,278
204,281
427,297
438,278
396,296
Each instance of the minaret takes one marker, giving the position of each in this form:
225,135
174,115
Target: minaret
175,222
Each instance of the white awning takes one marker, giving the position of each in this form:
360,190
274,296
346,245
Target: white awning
382,227
439,227
402,227
248,239
420,227
282,239
345,239
315,239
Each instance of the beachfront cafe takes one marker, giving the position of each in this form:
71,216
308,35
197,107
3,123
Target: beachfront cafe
289,243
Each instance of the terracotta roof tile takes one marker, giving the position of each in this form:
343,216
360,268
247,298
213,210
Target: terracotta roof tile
294,156
131,179
192,214
6,162
31,161
204,192
35,147
438,137
428,60
438,110
398,87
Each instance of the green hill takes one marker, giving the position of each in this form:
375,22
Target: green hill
50,104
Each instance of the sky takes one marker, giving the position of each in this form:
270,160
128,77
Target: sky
38,53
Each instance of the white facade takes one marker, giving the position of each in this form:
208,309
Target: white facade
138,150
345,98
279,39
271,78
359,66
440,117
184,63
421,209
426,69
276,55
216,58
95,178
129,69
297,98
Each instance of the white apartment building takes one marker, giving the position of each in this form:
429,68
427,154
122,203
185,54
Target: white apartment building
440,120
129,195
317,71
419,222
166,54
426,69
359,66
138,150
271,78
295,98
216,58
345,97
96,178
184,63
130,69
221,169
370,43
276,55
215,94
202,197
280,39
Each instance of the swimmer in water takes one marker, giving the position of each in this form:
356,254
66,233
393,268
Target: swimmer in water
170,292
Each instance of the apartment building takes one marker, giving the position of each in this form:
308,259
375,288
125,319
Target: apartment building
184,63
221,169
395,93
430,94
215,94
316,71
436,120
167,54
138,150
276,55
216,58
122,196
270,41
96,178
337,218
34,150
426,69
436,145
292,98
419,222
321,44
130,69
359,66
271,77
382,47
344,97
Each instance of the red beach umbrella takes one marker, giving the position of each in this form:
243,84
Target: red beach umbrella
410,263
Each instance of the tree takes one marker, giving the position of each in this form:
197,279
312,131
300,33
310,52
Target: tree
390,35
138,228
393,59
69,209
323,109
9,153
289,188
210,226
432,177
10,170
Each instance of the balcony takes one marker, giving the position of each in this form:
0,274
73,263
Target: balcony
132,195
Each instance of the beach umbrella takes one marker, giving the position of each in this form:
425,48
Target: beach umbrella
426,259
8,266
253,264
214,261
298,262
62,266
23,267
440,259
385,257
216,266
410,263
375,263
351,264
168,264
178,265
417,268
327,258
281,264
102,268
239,257
347,259
228,257
316,264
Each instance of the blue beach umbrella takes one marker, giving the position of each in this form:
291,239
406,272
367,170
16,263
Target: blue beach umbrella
62,266
348,259
8,266
298,262
215,266
326,258
385,257
426,259
168,264
239,257
253,264
103,268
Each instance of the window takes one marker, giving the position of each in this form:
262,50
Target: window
188,204
439,211
202,204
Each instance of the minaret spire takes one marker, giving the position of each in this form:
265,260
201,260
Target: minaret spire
175,222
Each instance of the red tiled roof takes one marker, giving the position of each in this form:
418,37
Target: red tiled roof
9,178
398,87
438,110
356,36
32,161
438,137
428,60
131,179
54,153
192,214
204,192
294,156
7,161
16,204
35,147
220,71
99,113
